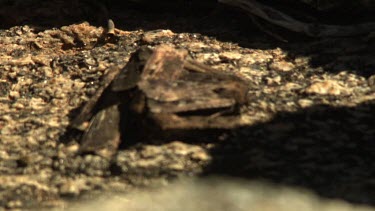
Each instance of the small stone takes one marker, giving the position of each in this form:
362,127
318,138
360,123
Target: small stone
180,148
14,94
291,86
201,156
90,61
18,105
72,149
37,103
273,81
14,204
53,122
152,36
47,71
327,87
304,103
176,166
371,82
302,60
13,75
6,118
147,163
102,66
227,56
59,94
27,82
282,66
69,189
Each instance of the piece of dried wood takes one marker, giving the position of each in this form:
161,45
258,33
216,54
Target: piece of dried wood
161,90
103,133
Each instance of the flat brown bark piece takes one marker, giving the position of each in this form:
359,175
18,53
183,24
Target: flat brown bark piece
172,83
166,63
164,88
130,75
87,110
103,134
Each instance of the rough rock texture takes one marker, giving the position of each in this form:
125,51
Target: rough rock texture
310,116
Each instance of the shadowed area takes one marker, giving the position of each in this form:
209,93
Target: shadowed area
325,149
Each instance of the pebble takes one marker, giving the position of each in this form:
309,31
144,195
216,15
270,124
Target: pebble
152,36
304,103
282,66
371,82
18,105
273,81
14,94
72,149
47,71
327,87
291,86
201,155
227,56
176,166
37,103
14,204
300,61
70,189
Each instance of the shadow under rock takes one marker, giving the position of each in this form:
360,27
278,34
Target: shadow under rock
328,150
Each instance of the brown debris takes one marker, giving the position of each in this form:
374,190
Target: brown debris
327,87
86,112
104,126
172,91
282,66
152,36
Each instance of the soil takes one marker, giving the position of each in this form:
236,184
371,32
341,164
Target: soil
309,121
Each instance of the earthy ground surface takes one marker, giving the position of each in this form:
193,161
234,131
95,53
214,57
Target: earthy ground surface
309,121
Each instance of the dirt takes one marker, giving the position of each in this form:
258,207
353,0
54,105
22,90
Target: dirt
309,120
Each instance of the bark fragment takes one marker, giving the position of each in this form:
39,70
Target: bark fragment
162,90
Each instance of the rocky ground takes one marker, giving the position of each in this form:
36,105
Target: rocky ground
309,122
